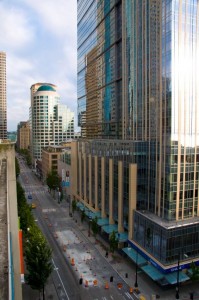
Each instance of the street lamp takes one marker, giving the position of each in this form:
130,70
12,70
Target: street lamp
136,270
177,285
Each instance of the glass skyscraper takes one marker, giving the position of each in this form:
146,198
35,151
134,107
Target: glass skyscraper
138,105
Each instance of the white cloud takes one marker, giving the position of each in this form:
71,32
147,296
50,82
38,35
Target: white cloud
58,17
16,31
39,38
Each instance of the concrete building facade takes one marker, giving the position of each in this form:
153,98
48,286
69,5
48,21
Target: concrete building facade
51,122
3,97
138,62
23,135
10,271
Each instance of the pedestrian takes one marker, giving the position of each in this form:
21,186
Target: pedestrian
106,254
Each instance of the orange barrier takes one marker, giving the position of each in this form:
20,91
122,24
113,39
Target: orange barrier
106,285
131,290
95,282
72,262
86,283
119,285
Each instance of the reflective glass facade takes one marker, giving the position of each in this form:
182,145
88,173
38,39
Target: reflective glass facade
138,84
99,68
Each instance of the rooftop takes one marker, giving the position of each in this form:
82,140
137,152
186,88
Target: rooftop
46,88
168,224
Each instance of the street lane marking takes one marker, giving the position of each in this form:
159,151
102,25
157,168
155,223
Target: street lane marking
56,269
129,296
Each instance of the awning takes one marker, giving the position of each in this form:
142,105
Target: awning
172,277
122,236
110,228
132,254
103,221
80,205
152,272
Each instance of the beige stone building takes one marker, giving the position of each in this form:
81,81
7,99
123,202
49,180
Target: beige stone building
23,135
50,157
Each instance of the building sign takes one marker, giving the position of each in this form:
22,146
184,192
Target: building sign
65,178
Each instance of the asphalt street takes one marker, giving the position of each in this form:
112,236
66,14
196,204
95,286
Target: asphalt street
68,241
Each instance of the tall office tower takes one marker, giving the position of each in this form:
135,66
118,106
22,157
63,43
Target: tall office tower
138,84
51,122
63,126
3,104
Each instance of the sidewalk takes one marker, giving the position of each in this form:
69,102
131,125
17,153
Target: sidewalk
126,269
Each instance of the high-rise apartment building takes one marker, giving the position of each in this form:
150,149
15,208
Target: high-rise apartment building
3,103
138,100
51,122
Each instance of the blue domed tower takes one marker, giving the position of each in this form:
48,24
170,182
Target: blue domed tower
43,102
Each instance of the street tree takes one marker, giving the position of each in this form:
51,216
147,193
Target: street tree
113,242
24,209
17,167
74,205
195,272
83,215
94,226
38,257
53,180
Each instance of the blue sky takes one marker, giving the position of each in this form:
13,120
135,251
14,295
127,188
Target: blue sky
39,38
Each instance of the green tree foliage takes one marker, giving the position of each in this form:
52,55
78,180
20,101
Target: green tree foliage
195,272
24,209
53,180
38,257
74,206
113,242
17,168
94,226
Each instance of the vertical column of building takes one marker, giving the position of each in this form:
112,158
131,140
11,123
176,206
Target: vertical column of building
96,182
3,103
90,179
179,88
120,196
80,174
85,179
124,77
132,196
103,214
111,174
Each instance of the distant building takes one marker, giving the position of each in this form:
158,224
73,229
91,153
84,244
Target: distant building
67,169
50,122
3,102
50,157
12,136
23,135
